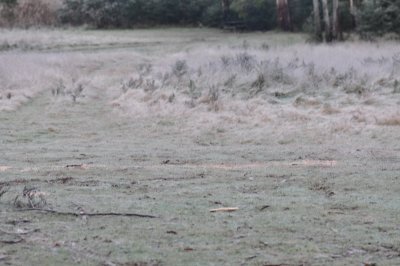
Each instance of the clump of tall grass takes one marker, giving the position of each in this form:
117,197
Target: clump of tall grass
390,120
236,83
59,89
238,72
224,81
25,75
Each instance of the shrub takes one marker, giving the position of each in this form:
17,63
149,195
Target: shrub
256,14
379,17
212,15
126,13
300,11
27,13
72,12
35,13
7,14
97,13
8,3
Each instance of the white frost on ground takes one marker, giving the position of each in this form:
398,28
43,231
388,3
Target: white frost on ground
212,81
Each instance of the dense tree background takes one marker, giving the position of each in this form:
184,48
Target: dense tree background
250,14
367,17
379,17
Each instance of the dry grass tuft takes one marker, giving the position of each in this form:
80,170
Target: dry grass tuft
392,120
306,102
328,109
3,190
32,198
322,185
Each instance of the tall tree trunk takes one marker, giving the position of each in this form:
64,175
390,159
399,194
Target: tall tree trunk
283,12
327,21
352,7
353,13
225,4
335,20
317,20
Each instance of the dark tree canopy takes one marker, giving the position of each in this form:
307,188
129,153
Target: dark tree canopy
8,2
325,19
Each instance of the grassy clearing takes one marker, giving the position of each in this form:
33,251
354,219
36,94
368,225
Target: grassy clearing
202,74
303,139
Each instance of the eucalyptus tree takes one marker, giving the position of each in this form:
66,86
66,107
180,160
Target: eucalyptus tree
283,15
329,30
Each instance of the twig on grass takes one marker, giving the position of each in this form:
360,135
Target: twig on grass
22,232
264,207
16,238
230,209
87,214
279,264
3,190
16,241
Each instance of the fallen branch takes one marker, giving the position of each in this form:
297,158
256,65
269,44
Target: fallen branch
18,181
10,242
276,264
3,190
264,207
198,176
230,209
16,238
62,180
20,233
88,214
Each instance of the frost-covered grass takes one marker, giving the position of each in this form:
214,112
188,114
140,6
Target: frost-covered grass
256,83
303,139
206,76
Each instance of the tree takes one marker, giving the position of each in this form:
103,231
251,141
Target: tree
8,2
379,17
335,20
317,20
330,15
283,15
327,21
225,5
300,11
255,14
354,6
7,12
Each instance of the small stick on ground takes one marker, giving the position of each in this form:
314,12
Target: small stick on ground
88,214
20,233
36,180
228,209
16,238
3,190
10,242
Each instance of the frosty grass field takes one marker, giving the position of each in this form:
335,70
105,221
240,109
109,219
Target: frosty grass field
117,144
